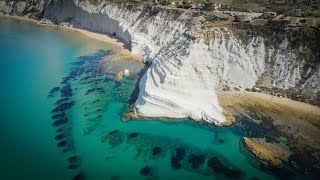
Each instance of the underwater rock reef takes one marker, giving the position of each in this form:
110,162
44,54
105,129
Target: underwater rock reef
86,70
183,156
188,62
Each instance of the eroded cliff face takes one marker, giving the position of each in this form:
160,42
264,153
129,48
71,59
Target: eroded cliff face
188,64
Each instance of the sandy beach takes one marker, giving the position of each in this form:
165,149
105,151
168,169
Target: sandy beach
117,45
232,102
280,108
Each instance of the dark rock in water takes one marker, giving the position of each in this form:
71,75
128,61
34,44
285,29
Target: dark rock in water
74,159
59,137
79,176
99,110
79,63
114,138
61,121
57,116
282,173
221,141
265,129
156,150
63,129
113,132
88,77
234,174
73,166
66,91
63,107
99,116
62,143
98,100
180,153
216,165
66,150
305,160
146,171
114,178
175,162
196,160
54,90
61,101
133,135
254,115
100,90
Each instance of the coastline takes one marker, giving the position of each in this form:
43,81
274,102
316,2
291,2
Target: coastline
118,46
227,100
235,103
268,105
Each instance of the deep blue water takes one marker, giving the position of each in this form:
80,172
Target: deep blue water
61,118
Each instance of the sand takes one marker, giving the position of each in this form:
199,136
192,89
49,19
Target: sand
123,53
276,107
232,102
273,154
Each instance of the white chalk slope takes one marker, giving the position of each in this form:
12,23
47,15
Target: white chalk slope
185,73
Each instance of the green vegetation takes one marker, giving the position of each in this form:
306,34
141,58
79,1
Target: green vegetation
308,8
274,32
213,18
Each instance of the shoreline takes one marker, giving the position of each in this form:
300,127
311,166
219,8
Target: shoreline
227,100
239,102
117,45
236,102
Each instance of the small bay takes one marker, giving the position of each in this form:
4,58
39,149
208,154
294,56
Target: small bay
61,115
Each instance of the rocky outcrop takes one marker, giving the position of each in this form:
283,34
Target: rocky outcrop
189,64
130,115
31,8
272,154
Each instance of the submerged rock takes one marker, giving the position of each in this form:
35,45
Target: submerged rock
62,143
59,101
218,167
79,176
66,91
175,162
61,122
271,154
73,166
74,159
156,150
196,160
176,159
146,171
113,132
130,115
59,137
54,90
57,116
63,107
133,135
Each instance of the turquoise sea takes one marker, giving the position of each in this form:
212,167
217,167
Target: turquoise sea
61,110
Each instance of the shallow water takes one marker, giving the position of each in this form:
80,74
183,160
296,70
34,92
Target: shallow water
45,71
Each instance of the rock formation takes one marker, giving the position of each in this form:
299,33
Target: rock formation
189,64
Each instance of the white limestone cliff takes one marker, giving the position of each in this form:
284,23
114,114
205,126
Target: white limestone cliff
185,72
